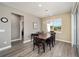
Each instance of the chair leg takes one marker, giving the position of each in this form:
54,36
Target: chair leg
52,42
38,49
50,46
43,47
33,47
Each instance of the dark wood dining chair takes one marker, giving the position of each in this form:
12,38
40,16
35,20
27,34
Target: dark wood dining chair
39,43
53,34
48,42
33,34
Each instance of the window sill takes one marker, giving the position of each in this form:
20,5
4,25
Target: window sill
58,31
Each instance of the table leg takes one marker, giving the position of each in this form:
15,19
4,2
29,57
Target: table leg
43,47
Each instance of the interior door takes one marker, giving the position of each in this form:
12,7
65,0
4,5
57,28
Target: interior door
15,27
78,30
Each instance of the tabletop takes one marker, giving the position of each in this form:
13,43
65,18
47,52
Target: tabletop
44,36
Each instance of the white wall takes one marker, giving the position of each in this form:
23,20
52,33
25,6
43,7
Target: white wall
28,28
5,37
28,24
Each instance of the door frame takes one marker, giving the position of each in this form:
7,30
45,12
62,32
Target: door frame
21,19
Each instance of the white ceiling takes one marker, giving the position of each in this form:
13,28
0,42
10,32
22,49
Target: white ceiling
33,8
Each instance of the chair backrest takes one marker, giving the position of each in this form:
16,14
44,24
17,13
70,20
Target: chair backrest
36,40
52,33
33,34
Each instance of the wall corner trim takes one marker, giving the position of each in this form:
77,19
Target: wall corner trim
4,48
26,41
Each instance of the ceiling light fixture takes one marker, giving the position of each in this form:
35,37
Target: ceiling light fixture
40,5
46,11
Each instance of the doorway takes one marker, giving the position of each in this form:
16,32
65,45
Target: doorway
77,29
22,28
17,29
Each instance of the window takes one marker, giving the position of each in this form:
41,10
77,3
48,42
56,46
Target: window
54,25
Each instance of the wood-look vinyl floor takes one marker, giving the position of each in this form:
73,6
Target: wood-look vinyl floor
61,49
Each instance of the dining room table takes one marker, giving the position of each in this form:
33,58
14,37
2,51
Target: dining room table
43,37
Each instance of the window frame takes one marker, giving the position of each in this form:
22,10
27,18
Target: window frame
53,20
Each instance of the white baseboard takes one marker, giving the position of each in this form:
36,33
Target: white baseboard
4,48
63,40
15,40
26,41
